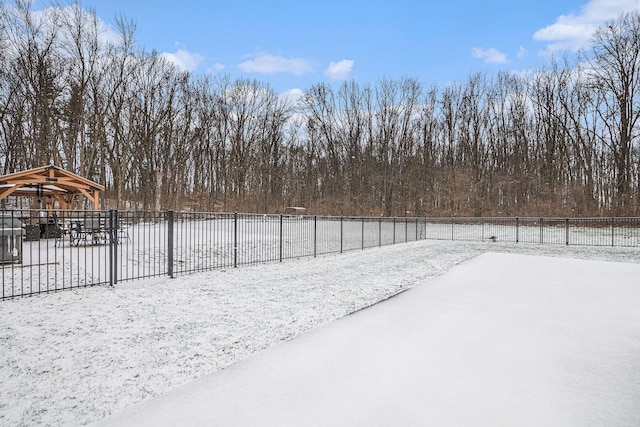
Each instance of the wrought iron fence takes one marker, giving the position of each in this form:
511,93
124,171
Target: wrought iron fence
45,251
556,231
55,250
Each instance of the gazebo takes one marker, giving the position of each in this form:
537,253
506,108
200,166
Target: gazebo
50,184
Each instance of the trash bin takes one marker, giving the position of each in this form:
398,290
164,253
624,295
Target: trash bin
11,233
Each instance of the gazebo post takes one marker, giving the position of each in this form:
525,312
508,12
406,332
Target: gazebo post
68,203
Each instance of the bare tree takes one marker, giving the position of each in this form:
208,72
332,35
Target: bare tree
351,135
428,139
320,107
614,70
34,71
559,141
395,131
113,112
82,52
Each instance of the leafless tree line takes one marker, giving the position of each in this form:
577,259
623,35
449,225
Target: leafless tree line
556,141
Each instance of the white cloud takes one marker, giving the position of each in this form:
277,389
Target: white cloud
490,56
573,32
291,95
184,59
215,68
521,52
265,63
54,16
339,70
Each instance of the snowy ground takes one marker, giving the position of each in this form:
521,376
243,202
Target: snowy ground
558,346
74,357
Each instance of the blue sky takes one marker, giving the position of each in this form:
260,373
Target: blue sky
294,44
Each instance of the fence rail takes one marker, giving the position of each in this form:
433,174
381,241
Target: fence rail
50,251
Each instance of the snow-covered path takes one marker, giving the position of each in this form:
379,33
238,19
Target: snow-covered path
501,340
74,357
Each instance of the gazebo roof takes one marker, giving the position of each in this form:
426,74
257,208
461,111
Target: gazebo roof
51,183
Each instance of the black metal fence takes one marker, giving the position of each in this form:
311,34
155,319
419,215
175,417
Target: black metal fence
556,231
49,251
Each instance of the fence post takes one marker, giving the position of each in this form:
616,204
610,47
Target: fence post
416,229
394,230
517,230
541,230
452,229
114,242
170,243
612,233
380,231
315,235
111,257
280,237
362,233
567,230
235,240
426,225
406,229
341,232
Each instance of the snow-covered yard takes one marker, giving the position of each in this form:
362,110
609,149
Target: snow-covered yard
74,357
